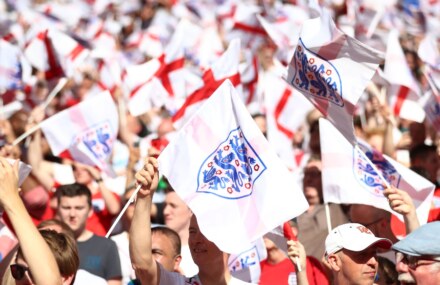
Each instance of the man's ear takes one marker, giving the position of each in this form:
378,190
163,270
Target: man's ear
335,262
177,261
68,279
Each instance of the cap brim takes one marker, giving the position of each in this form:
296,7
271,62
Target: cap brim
378,243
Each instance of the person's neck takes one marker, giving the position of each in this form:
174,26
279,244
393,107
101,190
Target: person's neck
184,235
85,235
275,256
214,275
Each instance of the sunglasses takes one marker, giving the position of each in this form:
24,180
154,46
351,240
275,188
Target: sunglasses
18,271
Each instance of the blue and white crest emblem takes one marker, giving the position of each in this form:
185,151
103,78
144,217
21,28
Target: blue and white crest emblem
232,169
97,140
316,76
245,260
367,175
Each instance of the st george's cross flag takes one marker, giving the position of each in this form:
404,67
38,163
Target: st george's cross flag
224,169
85,132
226,67
404,92
332,70
55,53
286,109
350,175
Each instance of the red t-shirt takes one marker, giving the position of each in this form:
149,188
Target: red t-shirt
434,213
283,273
101,220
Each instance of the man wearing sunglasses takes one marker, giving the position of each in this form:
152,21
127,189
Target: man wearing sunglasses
351,250
418,256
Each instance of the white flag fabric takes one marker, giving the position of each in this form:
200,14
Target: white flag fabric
348,175
322,69
11,69
429,51
221,165
404,92
246,265
85,132
286,109
431,104
23,170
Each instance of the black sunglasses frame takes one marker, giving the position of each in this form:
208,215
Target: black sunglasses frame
18,271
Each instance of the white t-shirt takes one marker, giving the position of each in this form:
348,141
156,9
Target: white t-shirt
121,241
167,278
84,277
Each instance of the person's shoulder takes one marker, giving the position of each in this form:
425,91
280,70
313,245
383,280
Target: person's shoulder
236,281
103,240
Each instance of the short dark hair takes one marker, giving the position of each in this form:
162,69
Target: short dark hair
421,151
74,190
172,235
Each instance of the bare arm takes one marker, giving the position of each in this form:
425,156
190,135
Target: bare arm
142,259
35,153
34,247
111,202
402,203
295,250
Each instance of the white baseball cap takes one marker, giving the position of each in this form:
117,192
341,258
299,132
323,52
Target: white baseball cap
354,237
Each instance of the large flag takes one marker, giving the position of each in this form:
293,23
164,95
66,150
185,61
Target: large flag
226,67
85,132
233,180
404,91
323,66
350,175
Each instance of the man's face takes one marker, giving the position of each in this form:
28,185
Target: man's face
203,251
164,253
74,211
358,268
432,165
81,174
312,182
422,270
402,268
176,213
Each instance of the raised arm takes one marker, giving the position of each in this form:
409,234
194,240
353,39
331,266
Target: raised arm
296,251
402,203
32,244
111,201
142,259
